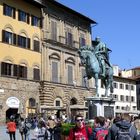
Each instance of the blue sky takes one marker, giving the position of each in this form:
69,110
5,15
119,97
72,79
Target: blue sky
118,26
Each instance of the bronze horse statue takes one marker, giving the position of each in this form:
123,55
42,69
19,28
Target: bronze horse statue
93,69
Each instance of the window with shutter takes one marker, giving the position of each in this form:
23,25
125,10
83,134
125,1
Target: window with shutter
23,16
8,11
36,46
23,42
69,37
54,71
36,74
35,21
54,30
6,69
15,70
82,40
70,74
22,72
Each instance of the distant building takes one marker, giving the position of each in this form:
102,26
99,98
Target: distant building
125,92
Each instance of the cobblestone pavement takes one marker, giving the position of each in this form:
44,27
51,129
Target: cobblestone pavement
5,136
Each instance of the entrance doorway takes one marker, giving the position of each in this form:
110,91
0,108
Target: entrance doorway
12,112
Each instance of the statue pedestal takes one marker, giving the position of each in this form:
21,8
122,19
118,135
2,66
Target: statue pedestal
100,106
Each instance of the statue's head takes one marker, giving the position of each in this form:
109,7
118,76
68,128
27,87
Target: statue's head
97,39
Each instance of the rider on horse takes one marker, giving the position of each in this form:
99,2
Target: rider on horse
102,54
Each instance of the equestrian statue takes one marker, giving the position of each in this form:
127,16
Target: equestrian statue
97,65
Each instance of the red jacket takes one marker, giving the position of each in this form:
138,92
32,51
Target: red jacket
11,126
79,133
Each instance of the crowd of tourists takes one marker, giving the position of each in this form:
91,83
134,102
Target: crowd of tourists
122,127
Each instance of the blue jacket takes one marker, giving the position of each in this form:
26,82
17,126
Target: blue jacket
124,125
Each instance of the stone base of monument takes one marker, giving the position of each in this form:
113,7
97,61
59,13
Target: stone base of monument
100,106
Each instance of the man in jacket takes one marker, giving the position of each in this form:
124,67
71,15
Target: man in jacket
80,132
125,124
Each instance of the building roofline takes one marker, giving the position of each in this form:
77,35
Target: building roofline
71,10
37,3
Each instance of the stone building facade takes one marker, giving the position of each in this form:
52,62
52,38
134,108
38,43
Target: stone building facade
64,31
20,57
39,65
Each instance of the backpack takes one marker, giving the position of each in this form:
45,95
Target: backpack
101,134
123,134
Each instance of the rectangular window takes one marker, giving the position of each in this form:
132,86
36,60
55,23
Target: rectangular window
82,40
7,37
69,37
15,70
132,98
70,74
57,103
54,30
127,98
126,87
35,21
132,87
22,72
115,85
23,16
6,69
36,73
121,98
23,42
55,72
8,11
121,86
36,46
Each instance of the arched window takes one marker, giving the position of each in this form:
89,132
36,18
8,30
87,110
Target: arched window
73,101
23,41
55,62
6,68
8,36
58,102
32,102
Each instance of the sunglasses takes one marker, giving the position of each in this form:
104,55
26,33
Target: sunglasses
79,120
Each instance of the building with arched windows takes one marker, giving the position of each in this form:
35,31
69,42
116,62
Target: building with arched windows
62,86
20,57
39,65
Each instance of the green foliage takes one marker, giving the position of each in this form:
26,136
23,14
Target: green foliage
66,128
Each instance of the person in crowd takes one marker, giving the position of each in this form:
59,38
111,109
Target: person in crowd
51,124
99,131
122,125
21,126
57,130
41,130
80,131
11,126
26,129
